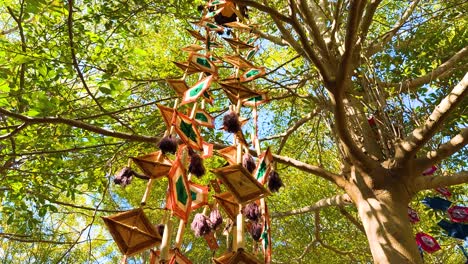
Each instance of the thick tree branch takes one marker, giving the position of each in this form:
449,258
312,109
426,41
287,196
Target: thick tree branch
358,157
346,65
321,63
367,20
422,134
79,124
316,170
441,71
443,151
378,46
434,181
315,31
338,200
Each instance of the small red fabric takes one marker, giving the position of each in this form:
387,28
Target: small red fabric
427,242
444,191
430,170
413,215
458,214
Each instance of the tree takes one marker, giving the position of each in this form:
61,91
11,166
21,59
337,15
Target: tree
79,79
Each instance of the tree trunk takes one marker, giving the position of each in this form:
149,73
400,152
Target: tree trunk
385,218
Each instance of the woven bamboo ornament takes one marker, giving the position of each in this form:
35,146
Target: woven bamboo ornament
132,231
151,165
228,203
238,257
240,183
175,257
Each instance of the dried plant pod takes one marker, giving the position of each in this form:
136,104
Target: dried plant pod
252,211
248,162
200,225
256,231
215,219
196,166
124,177
168,145
231,122
274,181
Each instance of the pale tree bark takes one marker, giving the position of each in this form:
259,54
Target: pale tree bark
434,181
419,136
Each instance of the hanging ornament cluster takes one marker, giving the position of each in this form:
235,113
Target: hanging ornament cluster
458,216
222,37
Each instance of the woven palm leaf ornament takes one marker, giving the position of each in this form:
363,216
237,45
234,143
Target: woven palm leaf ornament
240,187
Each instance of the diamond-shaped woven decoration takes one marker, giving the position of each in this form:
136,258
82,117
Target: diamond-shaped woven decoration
238,257
192,48
179,86
175,257
229,154
238,61
241,183
167,113
252,74
229,204
257,100
199,195
203,63
237,91
236,44
179,198
187,129
132,231
150,165
196,34
186,67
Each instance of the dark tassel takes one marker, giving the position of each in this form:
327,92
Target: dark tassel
252,212
215,219
168,145
200,225
256,231
231,122
124,177
274,181
160,229
248,162
196,164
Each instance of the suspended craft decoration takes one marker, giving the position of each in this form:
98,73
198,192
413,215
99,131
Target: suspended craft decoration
243,180
132,231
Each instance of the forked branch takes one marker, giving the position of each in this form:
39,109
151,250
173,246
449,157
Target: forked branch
422,134
338,200
434,181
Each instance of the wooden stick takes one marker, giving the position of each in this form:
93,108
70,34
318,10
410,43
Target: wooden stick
239,153
234,239
240,229
180,234
166,240
124,259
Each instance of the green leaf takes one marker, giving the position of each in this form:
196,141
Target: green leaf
105,90
4,87
32,112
